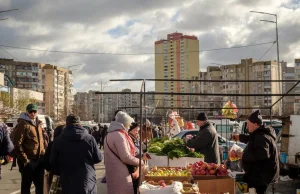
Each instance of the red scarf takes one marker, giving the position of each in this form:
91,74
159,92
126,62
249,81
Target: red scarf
131,144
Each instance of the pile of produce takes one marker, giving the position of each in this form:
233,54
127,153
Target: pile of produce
203,168
169,171
173,148
229,110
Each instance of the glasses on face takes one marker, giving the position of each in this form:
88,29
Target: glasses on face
32,111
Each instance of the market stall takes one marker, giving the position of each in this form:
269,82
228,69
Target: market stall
195,178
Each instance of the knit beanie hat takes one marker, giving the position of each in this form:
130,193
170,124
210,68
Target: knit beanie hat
255,117
124,118
202,117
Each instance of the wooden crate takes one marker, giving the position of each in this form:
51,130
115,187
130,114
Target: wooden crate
203,177
216,185
168,178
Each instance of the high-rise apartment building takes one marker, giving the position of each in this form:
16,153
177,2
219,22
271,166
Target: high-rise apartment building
248,69
54,82
89,106
129,100
177,57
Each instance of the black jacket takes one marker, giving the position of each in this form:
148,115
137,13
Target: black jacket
75,152
260,159
206,143
6,145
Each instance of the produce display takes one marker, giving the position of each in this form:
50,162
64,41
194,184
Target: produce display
173,148
229,110
169,172
203,168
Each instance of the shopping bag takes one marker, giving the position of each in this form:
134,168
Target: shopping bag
55,185
235,153
46,183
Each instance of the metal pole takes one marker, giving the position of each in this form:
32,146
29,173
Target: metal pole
141,124
102,103
67,101
278,64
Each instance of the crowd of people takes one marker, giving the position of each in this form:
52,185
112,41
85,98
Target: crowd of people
67,162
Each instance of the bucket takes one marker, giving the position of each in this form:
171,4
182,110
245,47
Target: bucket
283,157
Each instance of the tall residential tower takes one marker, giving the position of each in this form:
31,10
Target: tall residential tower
177,57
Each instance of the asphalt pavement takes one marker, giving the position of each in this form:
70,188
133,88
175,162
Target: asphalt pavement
11,180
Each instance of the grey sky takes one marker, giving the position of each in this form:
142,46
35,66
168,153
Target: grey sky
132,26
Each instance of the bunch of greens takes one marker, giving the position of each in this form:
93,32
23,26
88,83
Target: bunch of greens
173,148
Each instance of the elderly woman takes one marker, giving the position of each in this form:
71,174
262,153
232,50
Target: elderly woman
134,134
119,152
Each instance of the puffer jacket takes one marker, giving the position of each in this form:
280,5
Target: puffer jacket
260,159
28,139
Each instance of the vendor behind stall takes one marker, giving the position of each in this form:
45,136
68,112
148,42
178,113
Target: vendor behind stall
206,140
260,158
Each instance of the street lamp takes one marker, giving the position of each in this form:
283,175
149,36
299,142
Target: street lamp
67,102
278,64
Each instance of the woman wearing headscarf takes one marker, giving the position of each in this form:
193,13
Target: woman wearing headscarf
134,134
119,151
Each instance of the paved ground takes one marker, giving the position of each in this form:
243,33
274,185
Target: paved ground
10,183
11,180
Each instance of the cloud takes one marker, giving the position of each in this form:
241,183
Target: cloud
132,27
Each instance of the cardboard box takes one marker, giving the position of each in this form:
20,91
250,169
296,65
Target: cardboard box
216,185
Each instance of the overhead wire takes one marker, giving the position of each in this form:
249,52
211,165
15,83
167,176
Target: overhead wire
267,51
107,53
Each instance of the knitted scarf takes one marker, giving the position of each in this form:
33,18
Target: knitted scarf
131,144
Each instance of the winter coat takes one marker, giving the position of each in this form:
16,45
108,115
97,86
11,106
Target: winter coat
260,158
6,146
118,178
28,139
75,152
206,143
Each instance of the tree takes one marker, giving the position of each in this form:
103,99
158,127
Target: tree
11,107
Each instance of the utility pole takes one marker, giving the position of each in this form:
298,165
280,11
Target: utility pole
278,63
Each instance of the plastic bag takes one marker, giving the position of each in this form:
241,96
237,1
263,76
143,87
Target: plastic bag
235,153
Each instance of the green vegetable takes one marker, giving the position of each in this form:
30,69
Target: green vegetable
176,154
154,149
195,155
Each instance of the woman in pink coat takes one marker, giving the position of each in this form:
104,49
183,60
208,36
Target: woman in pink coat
117,141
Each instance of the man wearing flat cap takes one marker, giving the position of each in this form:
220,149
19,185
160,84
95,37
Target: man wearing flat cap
260,159
29,148
75,152
206,140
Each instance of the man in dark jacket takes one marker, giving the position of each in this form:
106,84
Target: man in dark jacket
260,158
6,146
206,140
75,152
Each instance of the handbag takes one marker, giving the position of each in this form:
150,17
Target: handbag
131,168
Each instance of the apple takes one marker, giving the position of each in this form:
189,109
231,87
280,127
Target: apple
202,172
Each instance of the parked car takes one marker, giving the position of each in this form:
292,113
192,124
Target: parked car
276,124
223,142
